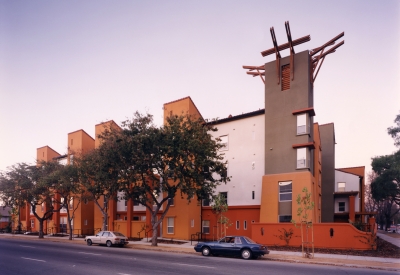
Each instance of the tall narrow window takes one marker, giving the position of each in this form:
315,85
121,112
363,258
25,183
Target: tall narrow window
225,196
342,206
192,223
302,124
285,77
252,195
245,225
224,142
285,191
71,203
302,158
206,227
237,225
170,225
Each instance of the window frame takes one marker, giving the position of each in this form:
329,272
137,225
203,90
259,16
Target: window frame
281,192
341,188
170,228
340,206
224,140
205,224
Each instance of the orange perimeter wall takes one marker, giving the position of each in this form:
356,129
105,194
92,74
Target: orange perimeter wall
345,235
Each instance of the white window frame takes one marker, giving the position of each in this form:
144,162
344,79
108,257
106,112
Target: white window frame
341,186
224,141
302,125
344,206
284,191
302,161
170,225
205,224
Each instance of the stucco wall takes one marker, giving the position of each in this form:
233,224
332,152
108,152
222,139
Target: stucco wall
345,235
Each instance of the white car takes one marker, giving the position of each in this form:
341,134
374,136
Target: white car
108,238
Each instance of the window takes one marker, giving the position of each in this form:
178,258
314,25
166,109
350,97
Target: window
224,142
225,172
143,218
206,202
302,124
85,222
302,158
224,195
252,195
192,223
71,203
245,225
237,225
171,201
286,218
206,227
125,218
285,191
341,186
32,223
285,80
136,218
71,159
342,206
170,225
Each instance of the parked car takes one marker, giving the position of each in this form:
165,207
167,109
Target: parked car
108,238
392,228
233,245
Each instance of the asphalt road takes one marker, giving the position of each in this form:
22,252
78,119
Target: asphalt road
37,257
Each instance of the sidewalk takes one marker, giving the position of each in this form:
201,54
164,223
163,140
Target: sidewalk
388,264
393,238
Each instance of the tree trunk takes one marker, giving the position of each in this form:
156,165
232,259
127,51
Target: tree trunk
40,228
69,225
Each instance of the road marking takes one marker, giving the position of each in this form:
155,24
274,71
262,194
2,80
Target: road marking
124,274
33,259
198,265
90,253
27,246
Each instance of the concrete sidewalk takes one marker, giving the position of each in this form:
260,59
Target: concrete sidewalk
393,238
389,264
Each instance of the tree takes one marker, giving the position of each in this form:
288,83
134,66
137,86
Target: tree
67,190
219,207
24,184
305,205
385,188
394,131
151,165
99,177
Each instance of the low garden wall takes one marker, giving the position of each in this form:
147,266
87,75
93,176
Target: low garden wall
326,235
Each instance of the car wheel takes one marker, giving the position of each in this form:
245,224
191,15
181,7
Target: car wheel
89,242
246,254
206,251
108,243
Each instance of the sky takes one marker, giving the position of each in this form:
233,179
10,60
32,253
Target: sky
69,65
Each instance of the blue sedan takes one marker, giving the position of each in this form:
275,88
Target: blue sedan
233,246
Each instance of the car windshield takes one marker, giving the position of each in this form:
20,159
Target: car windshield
249,241
118,234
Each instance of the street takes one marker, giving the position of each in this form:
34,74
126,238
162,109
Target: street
39,257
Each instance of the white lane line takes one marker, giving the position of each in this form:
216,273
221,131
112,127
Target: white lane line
27,246
90,253
33,259
124,274
197,265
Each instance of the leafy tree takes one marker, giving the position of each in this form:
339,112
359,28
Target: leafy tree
25,183
385,188
151,164
219,207
99,177
394,131
305,205
67,189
